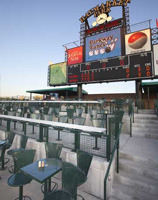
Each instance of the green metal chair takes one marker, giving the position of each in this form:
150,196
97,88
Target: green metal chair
79,112
93,113
53,150
2,153
70,178
9,137
100,123
34,116
84,160
23,142
70,114
19,179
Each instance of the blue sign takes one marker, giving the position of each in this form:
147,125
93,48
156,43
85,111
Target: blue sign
103,45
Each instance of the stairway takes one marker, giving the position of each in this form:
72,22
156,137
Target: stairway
146,124
138,175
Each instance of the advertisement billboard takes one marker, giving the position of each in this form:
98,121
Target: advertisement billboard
156,59
75,56
103,45
137,42
57,74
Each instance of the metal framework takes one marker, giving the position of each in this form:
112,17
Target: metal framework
127,23
154,35
82,34
65,46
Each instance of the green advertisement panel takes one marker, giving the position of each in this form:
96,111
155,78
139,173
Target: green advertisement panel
57,74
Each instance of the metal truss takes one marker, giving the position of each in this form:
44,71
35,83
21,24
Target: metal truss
82,34
126,17
154,35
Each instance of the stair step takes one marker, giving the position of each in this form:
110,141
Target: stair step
137,168
124,192
136,124
145,116
146,130
148,120
138,182
138,159
146,111
144,134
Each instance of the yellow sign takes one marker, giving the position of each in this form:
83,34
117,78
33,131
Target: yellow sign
104,8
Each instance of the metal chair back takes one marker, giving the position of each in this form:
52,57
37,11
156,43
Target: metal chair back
23,158
84,160
70,178
23,141
53,150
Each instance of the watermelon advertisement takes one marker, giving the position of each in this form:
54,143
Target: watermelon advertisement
138,42
103,45
57,74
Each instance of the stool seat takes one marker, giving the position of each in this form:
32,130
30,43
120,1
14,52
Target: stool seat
10,152
18,179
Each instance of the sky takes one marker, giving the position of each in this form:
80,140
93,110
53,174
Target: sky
33,32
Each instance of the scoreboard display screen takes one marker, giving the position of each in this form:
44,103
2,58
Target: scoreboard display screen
136,66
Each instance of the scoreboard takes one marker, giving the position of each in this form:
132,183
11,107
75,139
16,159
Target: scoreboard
135,66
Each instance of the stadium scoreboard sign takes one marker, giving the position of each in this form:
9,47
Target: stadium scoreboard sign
113,69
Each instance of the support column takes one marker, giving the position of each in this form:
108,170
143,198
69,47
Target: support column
30,96
138,92
148,97
79,90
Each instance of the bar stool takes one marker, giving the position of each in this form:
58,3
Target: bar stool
19,179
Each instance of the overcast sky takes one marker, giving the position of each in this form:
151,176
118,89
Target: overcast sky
32,33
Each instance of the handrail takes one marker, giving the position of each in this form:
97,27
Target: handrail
111,159
131,114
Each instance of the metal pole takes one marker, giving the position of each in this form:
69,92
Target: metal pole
148,97
79,90
138,91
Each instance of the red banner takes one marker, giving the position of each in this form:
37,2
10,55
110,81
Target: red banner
75,56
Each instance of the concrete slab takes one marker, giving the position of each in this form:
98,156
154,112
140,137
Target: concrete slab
141,147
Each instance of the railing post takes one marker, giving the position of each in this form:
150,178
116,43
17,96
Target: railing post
118,156
107,148
104,190
130,125
77,141
8,125
40,133
24,128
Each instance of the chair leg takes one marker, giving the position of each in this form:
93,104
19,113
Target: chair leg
21,197
80,197
20,192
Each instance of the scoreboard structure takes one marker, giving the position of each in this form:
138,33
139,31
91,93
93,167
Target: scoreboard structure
108,52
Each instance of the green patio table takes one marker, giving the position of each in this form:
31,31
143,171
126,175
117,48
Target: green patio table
43,174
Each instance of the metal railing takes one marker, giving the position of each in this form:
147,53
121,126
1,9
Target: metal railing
116,147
